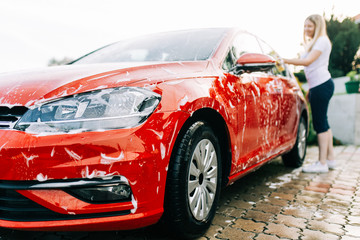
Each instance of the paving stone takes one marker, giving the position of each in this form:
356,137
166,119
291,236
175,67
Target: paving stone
356,200
223,221
241,204
299,181
341,191
318,187
290,221
283,231
213,231
330,218
335,203
349,182
313,194
344,187
308,199
277,201
355,157
326,227
340,197
304,177
349,238
338,210
262,190
320,184
259,216
300,213
317,235
354,212
311,207
266,237
252,197
234,233
294,186
354,220
288,190
352,230
324,178
355,205
226,210
268,208
249,225
238,213
283,196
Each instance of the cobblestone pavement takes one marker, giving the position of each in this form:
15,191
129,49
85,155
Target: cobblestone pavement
272,203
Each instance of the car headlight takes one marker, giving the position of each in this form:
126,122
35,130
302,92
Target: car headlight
93,111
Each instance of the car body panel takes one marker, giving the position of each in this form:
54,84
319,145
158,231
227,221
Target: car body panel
31,87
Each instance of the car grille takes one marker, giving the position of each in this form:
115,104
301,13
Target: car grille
16,207
10,115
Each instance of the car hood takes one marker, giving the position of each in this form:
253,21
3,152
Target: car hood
27,88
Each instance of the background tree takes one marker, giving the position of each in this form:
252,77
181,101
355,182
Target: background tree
56,62
356,62
345,38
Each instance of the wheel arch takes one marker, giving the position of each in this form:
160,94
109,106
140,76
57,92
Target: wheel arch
305,115
220,129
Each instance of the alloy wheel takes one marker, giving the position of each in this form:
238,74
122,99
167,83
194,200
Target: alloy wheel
302,139
202,179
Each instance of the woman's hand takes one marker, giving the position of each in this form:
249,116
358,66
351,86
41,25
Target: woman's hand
309,59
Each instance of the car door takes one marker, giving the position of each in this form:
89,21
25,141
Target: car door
285,93
252,99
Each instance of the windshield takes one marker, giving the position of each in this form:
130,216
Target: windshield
192,45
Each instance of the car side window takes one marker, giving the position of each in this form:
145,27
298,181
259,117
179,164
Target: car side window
280,68
243,43
229,61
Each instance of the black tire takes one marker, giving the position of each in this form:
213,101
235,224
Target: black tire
295,158
188,183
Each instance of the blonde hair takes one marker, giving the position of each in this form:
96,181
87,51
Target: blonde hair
320,30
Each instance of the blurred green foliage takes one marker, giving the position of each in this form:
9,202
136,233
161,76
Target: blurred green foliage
345,38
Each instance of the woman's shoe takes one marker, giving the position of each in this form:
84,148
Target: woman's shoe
331,164
316,168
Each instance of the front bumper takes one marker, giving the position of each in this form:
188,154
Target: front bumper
41,168
49,206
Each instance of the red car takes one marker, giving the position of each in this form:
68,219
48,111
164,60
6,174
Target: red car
144,129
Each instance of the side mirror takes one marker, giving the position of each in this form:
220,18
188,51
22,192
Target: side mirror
253,62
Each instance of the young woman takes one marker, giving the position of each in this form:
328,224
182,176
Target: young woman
316,61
